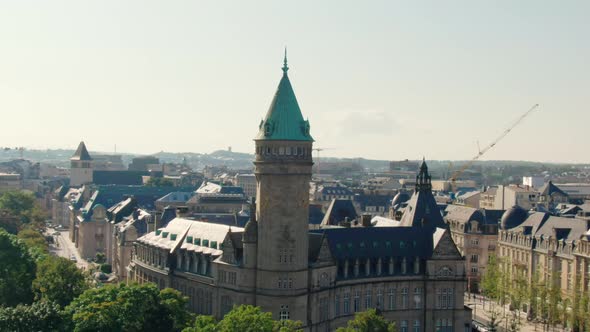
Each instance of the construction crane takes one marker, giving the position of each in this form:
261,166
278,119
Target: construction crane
481,152
318,151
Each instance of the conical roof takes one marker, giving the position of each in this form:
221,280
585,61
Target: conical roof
284,120
81,153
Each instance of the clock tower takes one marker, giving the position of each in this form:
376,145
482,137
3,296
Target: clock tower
283,169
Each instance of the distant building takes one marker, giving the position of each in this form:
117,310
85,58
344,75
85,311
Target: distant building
92,213
144,164
10,182
502,197
125,232
104,162
550,196
470,199
533,181
214,198
81,167
248,183
555,248
475,232
174,199
577,192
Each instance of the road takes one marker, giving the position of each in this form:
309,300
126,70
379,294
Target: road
65,248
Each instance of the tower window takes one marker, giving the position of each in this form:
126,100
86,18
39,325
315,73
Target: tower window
284,313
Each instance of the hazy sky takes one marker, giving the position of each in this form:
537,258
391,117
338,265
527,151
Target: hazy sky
377,79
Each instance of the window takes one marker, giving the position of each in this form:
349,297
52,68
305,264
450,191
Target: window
284,313
346,303
324,313
475,242
337,305
474,258
404,298
368,299
416,326
444,298
357,300
404,326
391,296
474,269
379,298
417,298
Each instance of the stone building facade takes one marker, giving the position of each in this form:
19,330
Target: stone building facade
413,273
475,232
554,247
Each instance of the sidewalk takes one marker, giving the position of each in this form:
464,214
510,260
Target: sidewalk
476,303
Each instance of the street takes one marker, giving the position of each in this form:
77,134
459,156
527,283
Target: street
65,248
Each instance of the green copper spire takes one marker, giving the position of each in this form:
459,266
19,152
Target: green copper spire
284,120
285,67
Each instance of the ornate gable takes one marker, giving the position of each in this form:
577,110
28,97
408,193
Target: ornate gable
445,247
325,255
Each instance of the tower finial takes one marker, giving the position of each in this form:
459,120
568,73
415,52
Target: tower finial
285,67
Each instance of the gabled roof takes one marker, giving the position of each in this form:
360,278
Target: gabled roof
284,120
81,153
338,211
549,189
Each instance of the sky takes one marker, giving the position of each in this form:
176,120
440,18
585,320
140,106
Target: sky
376,79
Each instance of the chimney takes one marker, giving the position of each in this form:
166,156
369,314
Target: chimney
366,220
182,211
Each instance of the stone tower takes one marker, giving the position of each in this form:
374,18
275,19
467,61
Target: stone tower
283,169
81,167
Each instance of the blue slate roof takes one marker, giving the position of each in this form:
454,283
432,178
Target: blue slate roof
315,214
129,178
338,211
365,200
375,242
111,195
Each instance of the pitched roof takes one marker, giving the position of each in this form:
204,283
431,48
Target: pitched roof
374,242
284,120
422,205
81,153
338,211
549,189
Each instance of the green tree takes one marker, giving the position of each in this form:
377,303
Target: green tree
58,280
368,321
203,323
246,318
173,308
128,308
18,203
17,271
554,305
39,316
287,325
34,240
491,279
